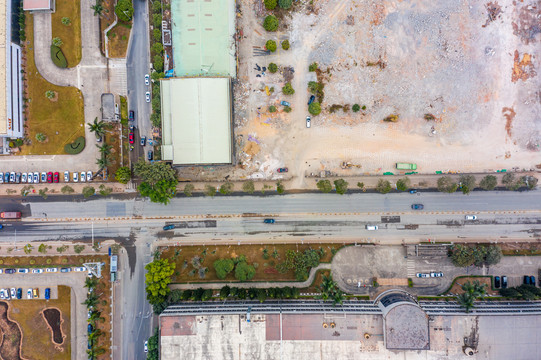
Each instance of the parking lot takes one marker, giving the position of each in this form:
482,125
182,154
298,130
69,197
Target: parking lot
49,177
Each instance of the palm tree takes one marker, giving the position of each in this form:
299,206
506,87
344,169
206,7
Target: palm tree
103,162
105,149
91,283
472,291
98,8
97,127
338,297
466,301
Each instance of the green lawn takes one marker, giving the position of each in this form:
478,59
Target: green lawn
69,34
60,119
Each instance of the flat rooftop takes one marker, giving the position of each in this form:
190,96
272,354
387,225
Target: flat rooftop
5,40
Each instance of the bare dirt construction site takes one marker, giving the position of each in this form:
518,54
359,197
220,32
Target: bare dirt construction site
460,77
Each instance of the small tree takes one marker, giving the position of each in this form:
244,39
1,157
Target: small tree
314,108
285,4
461,256
272,109
98,8
188,189
270,23
285,44
447,184
355,108
88,191
62,249
287,109
124,10
43,192
244,272
104,190
248,187
66,21
312,66
28,248
273,67
509,181
66,189
41,137
123,174
341,186
210,190
157,279
270,4
42,248
224,292
403,184
529,181
223,267
493,255
49,94
57,41
78,248
280,188
468,183
226,188
288,89
384,186
271,45
489,182
324,186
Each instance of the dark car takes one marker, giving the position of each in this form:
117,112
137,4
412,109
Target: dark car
169,227
47,294
150,155
282,170
19,293
504,282
49,177
1,226
18,178
413,191
131,138
6,177
268,221
312,98
417,206
65,270
526,280
132,115
10,271
532,280
56,177
497,282
90,328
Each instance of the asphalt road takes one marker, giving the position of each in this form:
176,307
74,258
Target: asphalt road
138,61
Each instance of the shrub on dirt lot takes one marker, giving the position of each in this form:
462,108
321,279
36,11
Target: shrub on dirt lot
285,4
41,137
341,186
273,68
58,57
280,188
57,41
248,187
285,44
271,45
356,108
244,272
468,183
88,191
226,188
210,190
324,186
403,184
529,181
270,23
287,109
447,184
312,66
391,118
272,108
188,189
383,186
75,147
67,190
288,89
49,94
223,267
270,4
314,108
489,182
509,181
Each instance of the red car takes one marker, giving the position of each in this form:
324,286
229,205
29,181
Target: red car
281,170
131,138
56,177
49,177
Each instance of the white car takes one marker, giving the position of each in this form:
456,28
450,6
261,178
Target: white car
146,346
13,293
89,176
22,271
79,269
308,121
75,176
23,177
30,178
37,271
147,96
43,177
421,275
83,176
471,217
436,274
1,271
66,176
147,79
36,177
53,270
2,295
29,294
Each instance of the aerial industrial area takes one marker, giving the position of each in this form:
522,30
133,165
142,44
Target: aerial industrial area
270,179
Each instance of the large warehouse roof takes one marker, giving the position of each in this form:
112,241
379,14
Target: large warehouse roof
203,37
196,120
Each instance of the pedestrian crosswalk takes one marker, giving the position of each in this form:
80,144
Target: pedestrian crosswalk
410,265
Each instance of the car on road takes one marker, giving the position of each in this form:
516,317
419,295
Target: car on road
51,270
13,293
29,294
56,177
43,177
436,274
150,155
371,227
22,271
146,346
19,293
10,271
413,191
36,177
50,177
269,221
311,100
169,227
147,79
66,176
504,282
147,96
23,177
282,170
47,293
284,103
132,115
75,176
65,270
497,282
308,121
37,271
417,206
422,275
131,138
471,217
143,140
83,176
79,269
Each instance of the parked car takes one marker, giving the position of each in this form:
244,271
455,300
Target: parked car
43,177
417,206
29,294
422,275
436,274
504,282
131,138
47,293
19,293
23,177
79,269
18,178
89,175
471,217
413,191
282,170
497,282
10,271
51,270
532,280
36,177
2,294
37,271
147,79
83,176
312,99
22,271
284,103
65,270
1,177
75,176
6,177
12,177
132,115
143,140
13,293
66,176
56,177
35,292
29,178
89,328
371,227
169,227
50,177
147,96
308,124
526,280
150,155
269,221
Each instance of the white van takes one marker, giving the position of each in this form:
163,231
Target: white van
371,227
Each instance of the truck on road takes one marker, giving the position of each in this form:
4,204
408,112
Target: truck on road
10,214
406,166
